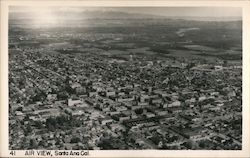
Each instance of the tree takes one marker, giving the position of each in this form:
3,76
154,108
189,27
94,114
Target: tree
189,144
75,140
202,144
33,144
225,63
106,144
62,95
38,124
139,111
190,65
27,130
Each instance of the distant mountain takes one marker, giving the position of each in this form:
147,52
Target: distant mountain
104,18
107,14
207,18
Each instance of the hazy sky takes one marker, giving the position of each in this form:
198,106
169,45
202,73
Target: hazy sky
187,11
163,11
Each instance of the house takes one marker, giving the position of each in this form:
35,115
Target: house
194,135
14,107
91,94
162,113
135,107
124,118
75,85
143,98
27,109
74,102
157,101
112,93
121,108
51,97
149,115
120,117
117,127
175,109
19,113
215,108
202,98
218,67
231,94
175,104
106,120
77,112
35,118
111,113
124,99
143,103
127,112
45,113
153,127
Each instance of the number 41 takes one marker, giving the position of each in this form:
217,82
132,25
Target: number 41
13,153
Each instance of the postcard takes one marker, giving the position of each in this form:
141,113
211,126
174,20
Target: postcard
125,78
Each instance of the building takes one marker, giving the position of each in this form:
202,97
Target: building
74,102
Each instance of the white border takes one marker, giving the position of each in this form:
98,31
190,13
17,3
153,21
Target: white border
245,152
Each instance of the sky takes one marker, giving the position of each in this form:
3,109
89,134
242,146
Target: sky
162,11
49,15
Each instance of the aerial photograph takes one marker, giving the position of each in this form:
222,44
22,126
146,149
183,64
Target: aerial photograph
125,78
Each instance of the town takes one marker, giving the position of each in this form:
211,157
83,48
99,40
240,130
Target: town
103,92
